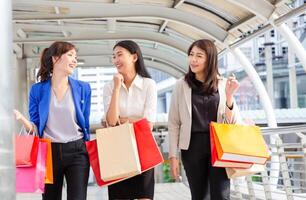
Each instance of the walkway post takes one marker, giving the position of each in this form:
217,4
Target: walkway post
7,166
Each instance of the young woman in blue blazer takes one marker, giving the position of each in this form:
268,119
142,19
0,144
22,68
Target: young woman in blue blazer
59,108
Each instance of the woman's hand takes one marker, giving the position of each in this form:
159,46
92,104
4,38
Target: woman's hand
118,79
25,122
232,86
18,115
174,168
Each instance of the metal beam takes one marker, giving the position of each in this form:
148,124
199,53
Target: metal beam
173,63
260,8
20,33
293,13
101,35
18,50
100,11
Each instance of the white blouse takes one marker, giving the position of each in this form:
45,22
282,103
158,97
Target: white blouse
140,101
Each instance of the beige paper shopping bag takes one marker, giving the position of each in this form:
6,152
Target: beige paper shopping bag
237,172
117,152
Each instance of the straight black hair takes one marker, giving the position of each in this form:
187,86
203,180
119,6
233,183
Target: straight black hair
133,48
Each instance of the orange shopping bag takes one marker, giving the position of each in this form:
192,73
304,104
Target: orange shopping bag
49,163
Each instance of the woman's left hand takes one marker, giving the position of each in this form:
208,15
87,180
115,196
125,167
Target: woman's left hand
232,86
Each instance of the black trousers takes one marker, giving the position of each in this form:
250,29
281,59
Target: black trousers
205,182
69,160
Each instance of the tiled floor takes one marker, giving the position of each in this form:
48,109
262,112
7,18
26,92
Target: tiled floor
163,191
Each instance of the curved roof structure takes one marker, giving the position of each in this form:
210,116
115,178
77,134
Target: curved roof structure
163,28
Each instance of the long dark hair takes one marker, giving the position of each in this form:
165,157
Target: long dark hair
56,49
211,71
133,48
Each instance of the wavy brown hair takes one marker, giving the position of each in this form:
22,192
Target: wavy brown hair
211,71
56,49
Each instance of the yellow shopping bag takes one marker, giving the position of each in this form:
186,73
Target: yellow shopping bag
240,143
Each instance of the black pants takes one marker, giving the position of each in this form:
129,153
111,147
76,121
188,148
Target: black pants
205,182
69,160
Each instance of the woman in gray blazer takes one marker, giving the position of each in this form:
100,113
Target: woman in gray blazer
200,97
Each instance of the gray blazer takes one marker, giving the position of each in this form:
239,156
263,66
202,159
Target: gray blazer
179,118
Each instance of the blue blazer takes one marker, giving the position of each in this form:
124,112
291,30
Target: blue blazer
39,102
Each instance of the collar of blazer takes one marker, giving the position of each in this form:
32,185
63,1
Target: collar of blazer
187,92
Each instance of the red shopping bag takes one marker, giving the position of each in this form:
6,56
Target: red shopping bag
26,147
149,154
32,179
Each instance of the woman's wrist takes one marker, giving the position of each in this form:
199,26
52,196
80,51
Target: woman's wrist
230,106
229,102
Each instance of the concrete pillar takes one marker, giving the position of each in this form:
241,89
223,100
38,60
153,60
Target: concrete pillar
21,90
7,166
269,67
292,79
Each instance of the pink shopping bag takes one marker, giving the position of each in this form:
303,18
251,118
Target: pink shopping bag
32,179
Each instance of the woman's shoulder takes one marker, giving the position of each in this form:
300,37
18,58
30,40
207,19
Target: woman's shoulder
149,81
39,84
82,84
180,82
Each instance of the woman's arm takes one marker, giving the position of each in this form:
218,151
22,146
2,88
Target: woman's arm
87,108
174,124
231,87
112,114
25,122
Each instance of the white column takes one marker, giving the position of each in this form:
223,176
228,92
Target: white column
269,67
292,79
7,166
21,90
267,106
293,43
263,95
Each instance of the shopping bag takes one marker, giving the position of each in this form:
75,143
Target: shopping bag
236,172
216,162
94,163
148,151
117,152
49,163
241,143
32,179
26,147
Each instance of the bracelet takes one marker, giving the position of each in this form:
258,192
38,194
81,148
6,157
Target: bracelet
229,107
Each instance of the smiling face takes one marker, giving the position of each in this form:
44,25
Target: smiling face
66,63
123,60
197,60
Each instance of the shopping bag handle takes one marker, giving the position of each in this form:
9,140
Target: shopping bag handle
106,125
27,132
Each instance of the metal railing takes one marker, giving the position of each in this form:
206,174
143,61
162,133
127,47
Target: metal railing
290,165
